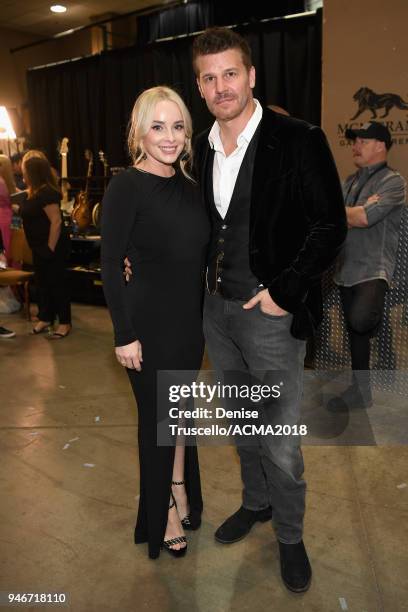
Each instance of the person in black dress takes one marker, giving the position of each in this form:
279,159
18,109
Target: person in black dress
44,230
153,213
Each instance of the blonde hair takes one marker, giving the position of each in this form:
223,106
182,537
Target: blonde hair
33,153
6,172
141,119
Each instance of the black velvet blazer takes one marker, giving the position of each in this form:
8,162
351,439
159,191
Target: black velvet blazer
297,221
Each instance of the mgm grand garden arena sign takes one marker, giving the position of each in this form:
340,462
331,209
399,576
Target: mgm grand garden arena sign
372,106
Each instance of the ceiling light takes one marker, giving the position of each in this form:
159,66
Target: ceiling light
58,8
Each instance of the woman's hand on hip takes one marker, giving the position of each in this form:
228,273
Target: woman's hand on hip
130,355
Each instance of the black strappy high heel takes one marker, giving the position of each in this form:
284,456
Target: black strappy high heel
189,522
167,544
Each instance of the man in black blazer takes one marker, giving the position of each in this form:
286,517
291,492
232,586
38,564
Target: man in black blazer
278,222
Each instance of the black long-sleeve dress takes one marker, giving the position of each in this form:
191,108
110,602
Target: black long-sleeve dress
49,266
161,225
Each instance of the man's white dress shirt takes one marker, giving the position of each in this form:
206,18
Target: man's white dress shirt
225,169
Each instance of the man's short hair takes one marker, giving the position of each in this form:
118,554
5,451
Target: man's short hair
217,40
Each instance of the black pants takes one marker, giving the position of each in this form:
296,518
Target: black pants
52,288
363,306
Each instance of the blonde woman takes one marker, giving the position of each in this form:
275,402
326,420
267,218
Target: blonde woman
7,187
153,213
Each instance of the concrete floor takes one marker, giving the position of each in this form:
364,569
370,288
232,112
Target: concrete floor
68,527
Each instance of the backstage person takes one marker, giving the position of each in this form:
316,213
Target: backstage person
4,333
7,188
45,233
16,162
374,197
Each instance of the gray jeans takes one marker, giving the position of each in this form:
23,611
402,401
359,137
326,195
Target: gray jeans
254,342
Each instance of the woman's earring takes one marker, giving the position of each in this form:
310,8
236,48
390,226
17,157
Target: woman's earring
144,156
184,156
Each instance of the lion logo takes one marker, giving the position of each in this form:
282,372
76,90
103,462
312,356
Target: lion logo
367,99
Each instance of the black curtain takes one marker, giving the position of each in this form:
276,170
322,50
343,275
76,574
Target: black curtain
90,100
197,15
184,19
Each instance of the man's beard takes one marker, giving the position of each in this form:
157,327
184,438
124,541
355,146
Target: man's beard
226,113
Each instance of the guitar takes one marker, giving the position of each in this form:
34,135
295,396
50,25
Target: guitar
96,212
66,204
81,213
